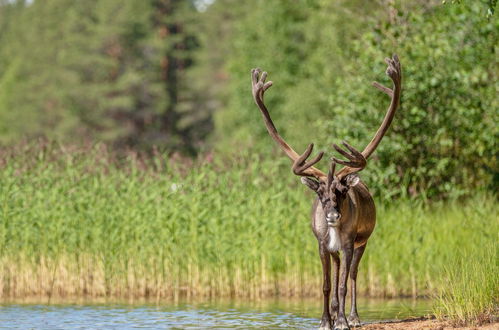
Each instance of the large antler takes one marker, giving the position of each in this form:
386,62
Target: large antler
300,165
357,159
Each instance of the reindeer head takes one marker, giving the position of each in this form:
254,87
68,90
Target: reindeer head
332,193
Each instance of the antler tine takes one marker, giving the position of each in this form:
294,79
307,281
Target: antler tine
300,166
356,163
393,71
259,86
343,152
352,149
382,88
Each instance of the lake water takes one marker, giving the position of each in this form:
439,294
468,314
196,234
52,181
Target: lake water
267,314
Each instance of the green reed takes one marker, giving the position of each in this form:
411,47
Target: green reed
87,222
470,286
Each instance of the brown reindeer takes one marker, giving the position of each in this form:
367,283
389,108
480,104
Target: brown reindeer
343,215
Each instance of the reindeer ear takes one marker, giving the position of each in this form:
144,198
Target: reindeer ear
311,183
352,180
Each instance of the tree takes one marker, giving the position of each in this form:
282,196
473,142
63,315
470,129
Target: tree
99,69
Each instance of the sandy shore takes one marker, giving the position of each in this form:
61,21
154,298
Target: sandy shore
422,323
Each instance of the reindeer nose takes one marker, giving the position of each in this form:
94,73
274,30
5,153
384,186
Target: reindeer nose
333,217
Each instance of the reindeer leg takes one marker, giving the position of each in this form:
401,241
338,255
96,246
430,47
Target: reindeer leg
336,274
346,259
326,288
353,319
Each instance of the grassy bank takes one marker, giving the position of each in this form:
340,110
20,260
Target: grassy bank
83,222
470,287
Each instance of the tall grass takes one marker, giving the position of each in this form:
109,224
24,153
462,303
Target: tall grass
413,243
470,286
79,222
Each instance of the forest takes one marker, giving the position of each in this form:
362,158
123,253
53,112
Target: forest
128,132
174,75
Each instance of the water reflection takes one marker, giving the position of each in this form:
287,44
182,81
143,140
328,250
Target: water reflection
265,314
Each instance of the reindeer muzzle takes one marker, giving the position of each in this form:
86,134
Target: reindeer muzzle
333,219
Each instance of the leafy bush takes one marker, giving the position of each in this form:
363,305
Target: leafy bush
442,140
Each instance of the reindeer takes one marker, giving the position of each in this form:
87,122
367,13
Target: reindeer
343,214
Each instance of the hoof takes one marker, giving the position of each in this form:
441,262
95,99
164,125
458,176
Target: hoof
341,324
325,325
354,321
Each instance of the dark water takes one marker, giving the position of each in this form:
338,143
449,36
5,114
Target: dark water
268,314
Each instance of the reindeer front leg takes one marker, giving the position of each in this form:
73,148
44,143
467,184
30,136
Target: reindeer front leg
336,273
346,259
326,287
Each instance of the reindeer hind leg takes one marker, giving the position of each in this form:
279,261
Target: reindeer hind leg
341,322
353,319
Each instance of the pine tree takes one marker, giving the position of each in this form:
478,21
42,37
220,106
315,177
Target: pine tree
98,69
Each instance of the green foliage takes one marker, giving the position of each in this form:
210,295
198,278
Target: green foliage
489,4
442,140
443,136
100,69
295,42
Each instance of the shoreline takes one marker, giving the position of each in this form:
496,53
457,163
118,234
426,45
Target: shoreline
426,323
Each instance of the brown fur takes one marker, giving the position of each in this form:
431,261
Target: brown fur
357,222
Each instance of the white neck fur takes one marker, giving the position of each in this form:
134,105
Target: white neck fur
334,243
